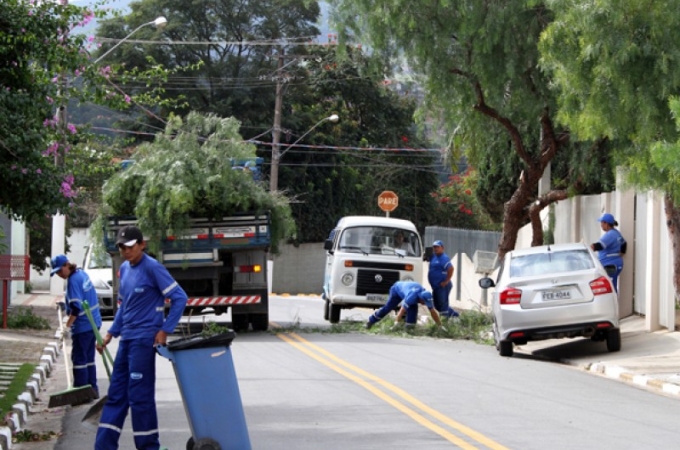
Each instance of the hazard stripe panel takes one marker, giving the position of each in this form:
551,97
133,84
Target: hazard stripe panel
228,300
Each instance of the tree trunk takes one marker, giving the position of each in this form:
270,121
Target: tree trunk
673,224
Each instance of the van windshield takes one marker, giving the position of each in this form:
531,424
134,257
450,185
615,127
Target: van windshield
101,261
380,241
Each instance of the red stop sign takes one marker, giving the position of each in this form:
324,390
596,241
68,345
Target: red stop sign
388,201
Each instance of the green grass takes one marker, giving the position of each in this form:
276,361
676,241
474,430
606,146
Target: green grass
16,387
471,325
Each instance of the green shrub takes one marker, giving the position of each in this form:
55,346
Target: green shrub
23,317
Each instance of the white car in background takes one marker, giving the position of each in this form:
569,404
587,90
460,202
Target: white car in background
99,268
553,291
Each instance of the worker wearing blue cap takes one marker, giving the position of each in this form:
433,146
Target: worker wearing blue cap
610,248
439,275
409,294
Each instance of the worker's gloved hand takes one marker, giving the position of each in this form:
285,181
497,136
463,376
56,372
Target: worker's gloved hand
65,333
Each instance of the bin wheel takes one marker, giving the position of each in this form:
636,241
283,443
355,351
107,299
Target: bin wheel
260,322
202,444
206,444
239,322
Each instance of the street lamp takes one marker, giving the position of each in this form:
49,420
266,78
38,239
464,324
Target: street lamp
276,155
159,22
58,220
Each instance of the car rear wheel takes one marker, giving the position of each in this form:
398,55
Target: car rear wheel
614,340
505,348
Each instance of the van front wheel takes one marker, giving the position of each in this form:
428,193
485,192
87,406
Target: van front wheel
334,315
326,310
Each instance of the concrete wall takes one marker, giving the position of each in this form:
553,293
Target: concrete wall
299,269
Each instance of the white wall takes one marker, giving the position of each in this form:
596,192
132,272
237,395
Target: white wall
78,240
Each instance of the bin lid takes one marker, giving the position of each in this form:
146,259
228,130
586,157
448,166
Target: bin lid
200,341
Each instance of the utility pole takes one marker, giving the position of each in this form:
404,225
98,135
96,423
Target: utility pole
276,136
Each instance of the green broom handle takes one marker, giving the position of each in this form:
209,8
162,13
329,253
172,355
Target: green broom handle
98,337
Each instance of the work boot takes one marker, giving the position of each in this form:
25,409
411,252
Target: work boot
369,324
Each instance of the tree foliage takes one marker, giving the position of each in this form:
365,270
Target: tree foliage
35,49
227,42
187,172
480,66
239,50
328,182
616,65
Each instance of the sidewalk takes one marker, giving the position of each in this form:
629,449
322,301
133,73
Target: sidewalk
647,360
30,411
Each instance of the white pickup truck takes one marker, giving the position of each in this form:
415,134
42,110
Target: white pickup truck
366,255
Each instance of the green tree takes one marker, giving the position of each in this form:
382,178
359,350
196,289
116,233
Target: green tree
480,66
231,76
458,206
616,65
330,183
36,48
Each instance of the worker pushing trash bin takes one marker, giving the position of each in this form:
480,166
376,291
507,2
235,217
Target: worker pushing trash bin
207,381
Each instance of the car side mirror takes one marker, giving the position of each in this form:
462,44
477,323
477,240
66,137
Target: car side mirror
486,283
328,245
428,254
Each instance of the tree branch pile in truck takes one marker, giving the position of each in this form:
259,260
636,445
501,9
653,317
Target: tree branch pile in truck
209,224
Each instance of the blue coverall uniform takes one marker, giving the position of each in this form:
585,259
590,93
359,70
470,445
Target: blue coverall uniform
142,293
437,273
79,288
611,255
408,292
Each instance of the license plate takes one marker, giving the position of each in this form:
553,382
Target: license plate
557,295
376,298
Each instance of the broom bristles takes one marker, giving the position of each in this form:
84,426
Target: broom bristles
74,396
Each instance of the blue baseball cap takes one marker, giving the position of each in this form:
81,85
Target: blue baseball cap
437,243
57,263
607,218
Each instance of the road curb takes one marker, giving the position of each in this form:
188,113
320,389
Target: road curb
645,381
18,417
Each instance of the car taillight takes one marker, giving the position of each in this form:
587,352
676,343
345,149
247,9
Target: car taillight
510,296
601,286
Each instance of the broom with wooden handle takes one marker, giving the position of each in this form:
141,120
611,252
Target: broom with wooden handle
94,413
72,395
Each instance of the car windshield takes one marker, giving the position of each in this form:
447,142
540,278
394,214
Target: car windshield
102,261
550,263
381,241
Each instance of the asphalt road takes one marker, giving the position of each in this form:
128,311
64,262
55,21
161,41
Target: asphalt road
360,391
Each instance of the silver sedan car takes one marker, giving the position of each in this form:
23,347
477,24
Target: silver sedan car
553,291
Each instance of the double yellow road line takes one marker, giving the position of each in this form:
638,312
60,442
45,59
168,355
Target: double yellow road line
402,400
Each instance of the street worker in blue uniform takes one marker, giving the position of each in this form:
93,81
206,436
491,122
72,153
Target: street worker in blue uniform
141,324
610,248
79,288
408,294
439,275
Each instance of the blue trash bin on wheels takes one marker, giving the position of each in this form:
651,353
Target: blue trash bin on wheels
207,381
